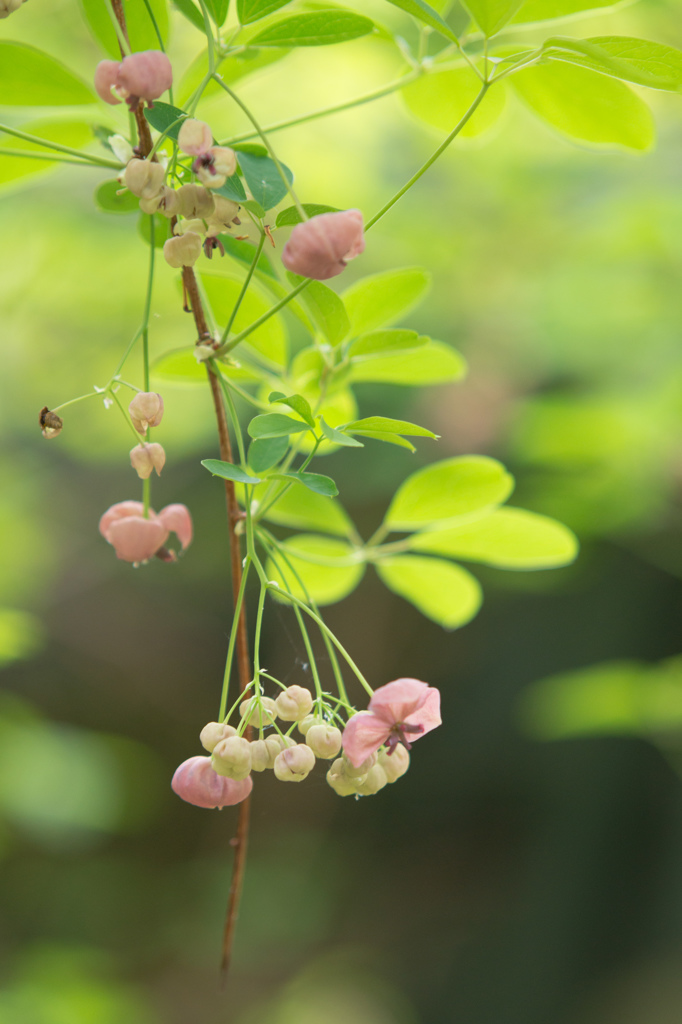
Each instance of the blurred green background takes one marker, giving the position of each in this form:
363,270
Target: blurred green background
528,869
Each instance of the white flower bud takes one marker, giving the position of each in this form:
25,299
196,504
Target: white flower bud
120,147
324,740
258,711
355,773
395,764
196,225
374,781
294,703
263,754
164,202
144,178
341,783
182,250
308,722
232,758
194,137
222,217
194,201
295,763
212,733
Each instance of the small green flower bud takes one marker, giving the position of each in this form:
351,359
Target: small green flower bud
295,763
294,703
195,201
259,711
232,758
212,733
324,740
375,780
263,754
307,723
144,178
355,773
182,250
395,764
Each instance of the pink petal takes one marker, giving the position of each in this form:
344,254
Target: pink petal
147,74
319,247
428,715
136,539
197,783
363,735
120,511
176,518
106,76
396,701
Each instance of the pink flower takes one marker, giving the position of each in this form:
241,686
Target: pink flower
399,712
141,76
146,410
197,783
136,539
320,247
195,137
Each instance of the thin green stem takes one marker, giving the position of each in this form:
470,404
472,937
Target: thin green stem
193,101
245,286
263,319
164,135
233,639
266,142
46,144
209,37
72,401
257,636
126,417
232,412
148,304
120,34
52,157
432,159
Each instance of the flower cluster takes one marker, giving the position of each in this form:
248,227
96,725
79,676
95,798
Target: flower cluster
375,744
140,76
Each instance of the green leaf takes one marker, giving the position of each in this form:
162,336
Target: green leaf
326,309
253,10
218,10
275,424
533,11
386,342
449,595
141,31
338,437
269,340
290,216
316,482
244,252
423,12
266,452
31,78
381,299
387,438
263,179
68,133
191,12
162,115
508,538
586,106
435,363
321,29
302,509
162,229
447,490
111,197
181,367
232,189
492,15
384,424
228,471
633,60
441,98
337,576
296,402
231,69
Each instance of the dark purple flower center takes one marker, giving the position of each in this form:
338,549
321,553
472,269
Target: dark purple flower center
206,161
397,736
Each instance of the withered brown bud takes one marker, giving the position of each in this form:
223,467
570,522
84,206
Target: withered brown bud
50,423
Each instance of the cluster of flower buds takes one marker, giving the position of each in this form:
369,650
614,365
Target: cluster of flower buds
322,246
375,748
8,7
140,76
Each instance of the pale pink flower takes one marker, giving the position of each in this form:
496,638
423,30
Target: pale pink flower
140,76
146,410
197,783
398,713
147,457
194,137
136,539
214,166
321,247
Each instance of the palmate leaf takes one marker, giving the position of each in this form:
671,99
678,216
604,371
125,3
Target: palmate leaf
269,340
337,576
425,13
632,60
266,452
302,509
381,299
326,309
190,11
435,363
320,29
218,10
446,593
441,98
296,402
492,15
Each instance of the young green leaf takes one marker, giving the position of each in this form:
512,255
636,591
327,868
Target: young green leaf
111,197
263,178
423,12
190,10
296,402
266,452
164,117
290,216
232,189
381,299
329,569
243,253
384,424
447,490
435,363
68,133
313,481
302,509
508,538
218,10
228,471
181,367
492,15
441,98
253,10
140,27
387,438
386,342
270,339
338,437
326,309
633,60
31,78
321,29
275,424
533,11
587,106
449,595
